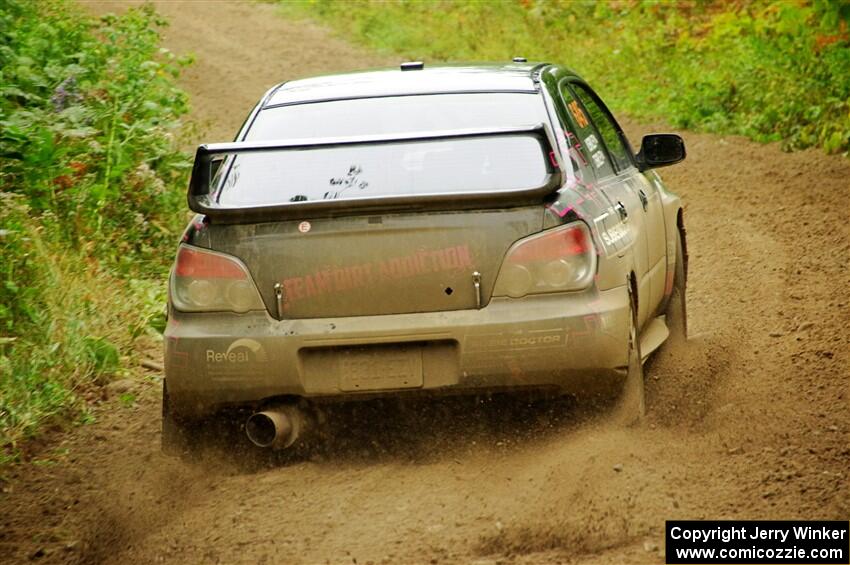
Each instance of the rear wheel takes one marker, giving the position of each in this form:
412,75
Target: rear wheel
676,314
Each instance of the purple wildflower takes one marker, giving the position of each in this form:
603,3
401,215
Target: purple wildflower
65,94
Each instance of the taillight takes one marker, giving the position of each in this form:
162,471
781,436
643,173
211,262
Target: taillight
207,281
556,260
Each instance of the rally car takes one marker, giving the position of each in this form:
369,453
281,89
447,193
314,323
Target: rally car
452,229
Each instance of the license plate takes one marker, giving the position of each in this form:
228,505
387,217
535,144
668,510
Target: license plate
380,368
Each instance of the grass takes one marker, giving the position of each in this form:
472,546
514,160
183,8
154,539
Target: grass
91,193
769,70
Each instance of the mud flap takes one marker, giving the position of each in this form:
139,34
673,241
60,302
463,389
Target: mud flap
631,408
174,439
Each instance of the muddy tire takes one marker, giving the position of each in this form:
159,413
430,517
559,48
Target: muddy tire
676,314
631,407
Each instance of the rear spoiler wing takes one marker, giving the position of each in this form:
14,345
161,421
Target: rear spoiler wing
203,198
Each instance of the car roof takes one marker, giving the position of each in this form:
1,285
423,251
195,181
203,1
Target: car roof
460,78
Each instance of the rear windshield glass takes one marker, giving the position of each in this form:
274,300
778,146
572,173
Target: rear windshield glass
457,165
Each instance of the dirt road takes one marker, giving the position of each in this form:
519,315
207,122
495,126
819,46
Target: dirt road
751,421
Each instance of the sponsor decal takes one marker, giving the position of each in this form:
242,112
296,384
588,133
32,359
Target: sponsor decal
533,339
304,227
614,237
341,279
598,159
520,351
614,234
350,180
575,148
240,351
578,114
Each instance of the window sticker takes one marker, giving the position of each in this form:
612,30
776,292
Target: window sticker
598,159
591,142
578,114
578,160
341,184
575,148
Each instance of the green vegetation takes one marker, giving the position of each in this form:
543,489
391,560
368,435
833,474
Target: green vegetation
770,70
90,188
91,184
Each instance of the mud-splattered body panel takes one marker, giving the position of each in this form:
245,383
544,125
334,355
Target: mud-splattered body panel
338,300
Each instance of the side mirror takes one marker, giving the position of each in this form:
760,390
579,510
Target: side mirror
660,150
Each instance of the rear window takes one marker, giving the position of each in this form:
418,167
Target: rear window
456,165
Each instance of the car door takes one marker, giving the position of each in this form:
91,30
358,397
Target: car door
636,184
614,170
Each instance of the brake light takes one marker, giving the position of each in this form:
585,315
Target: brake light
208,281
203,264
557,260
551,246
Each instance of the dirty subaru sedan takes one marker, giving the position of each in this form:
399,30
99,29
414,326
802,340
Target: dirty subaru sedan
460,229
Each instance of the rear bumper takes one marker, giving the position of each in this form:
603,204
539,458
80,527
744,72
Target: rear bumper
570,341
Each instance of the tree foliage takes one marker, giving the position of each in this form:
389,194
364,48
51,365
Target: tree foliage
770,70
90,191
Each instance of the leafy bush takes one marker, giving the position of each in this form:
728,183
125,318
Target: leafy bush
88,112
771,70
90,191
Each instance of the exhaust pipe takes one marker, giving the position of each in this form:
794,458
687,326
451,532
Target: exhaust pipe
278,427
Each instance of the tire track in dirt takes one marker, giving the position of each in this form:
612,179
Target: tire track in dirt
752,420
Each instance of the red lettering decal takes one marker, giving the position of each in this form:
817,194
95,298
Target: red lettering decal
341,281
464,256
293,289
396,268
411,265
311,287
420,259
452,259
323,281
